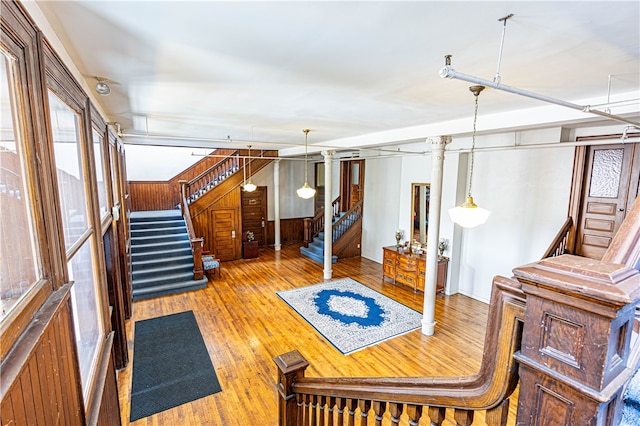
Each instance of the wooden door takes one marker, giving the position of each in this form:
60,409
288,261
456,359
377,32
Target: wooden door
351,183
610,187
319,180
254,214
224,233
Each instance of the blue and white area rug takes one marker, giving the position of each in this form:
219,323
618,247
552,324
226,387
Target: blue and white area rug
350,315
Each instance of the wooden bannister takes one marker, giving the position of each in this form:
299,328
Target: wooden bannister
567,329
313,226
206,180
559,244
196,243
303,399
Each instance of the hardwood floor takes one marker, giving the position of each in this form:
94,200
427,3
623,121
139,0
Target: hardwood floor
245,325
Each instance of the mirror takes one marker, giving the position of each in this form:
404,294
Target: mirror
420,211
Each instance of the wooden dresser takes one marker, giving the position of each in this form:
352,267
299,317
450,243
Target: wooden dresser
409,269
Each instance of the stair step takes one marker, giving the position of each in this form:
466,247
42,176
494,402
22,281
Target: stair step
158,239
158,254
171,288
155,247
166,279
147,232
166,258
157,224
162,272
317,257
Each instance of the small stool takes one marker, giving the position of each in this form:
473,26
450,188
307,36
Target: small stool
210,264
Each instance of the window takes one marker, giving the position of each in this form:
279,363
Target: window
79,236
99,164
20,267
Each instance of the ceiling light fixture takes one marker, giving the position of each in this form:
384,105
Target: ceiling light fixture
468,214
248,185
102,87
305,191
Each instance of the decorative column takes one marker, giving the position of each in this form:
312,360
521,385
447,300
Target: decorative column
276,204
576,340
328,222
438,144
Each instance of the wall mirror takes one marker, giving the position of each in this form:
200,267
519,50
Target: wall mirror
420,193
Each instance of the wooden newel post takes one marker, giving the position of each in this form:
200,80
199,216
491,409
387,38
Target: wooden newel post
306,230
576,340
291,367
196,249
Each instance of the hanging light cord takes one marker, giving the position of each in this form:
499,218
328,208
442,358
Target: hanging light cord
476,91
497,78
306,133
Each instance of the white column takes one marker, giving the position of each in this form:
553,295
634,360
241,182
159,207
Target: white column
433,233
328,214
276,204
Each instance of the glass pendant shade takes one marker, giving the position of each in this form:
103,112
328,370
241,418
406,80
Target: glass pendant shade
305,191
468,214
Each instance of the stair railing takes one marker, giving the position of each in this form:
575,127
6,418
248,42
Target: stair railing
196,242
559,245
566,329
350,216
313,226
211,177
309,400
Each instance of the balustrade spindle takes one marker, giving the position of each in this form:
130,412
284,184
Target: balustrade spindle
437,415
352,404
322,404
497,416
313,408
395,410
341,404
365,406
331,402
463,417
379,408
414,412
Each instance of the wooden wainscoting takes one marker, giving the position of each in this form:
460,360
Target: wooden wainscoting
291,231
153,195
40,381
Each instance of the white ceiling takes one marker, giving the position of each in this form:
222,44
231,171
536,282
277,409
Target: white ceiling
265,70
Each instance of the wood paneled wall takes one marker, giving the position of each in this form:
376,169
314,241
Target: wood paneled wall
38,383
164,195
291,231
153,195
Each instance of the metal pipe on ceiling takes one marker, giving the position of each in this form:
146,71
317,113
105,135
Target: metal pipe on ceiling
448,72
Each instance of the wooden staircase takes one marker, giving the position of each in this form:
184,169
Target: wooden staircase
564,328
346,234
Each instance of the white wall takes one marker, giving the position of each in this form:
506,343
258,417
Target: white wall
159,163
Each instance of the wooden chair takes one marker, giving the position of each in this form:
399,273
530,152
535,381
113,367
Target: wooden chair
210,264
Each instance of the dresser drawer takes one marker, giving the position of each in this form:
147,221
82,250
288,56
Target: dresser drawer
408,263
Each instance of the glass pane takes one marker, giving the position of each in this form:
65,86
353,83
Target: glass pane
114,174
355,173
65,125
86,310
605,174
19,263
102,190
320,174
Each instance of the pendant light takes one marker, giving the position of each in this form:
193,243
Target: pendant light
306,191
248,185
468,214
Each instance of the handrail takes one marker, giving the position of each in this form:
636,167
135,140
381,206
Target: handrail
212,176
315,225
559,244
487,390
339,227
196,242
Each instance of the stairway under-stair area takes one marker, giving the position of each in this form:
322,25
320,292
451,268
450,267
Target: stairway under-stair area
162,262
315,250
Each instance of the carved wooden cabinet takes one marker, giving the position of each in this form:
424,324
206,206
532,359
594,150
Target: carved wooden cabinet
410,269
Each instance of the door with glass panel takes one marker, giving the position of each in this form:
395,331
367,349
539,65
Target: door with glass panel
610,187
